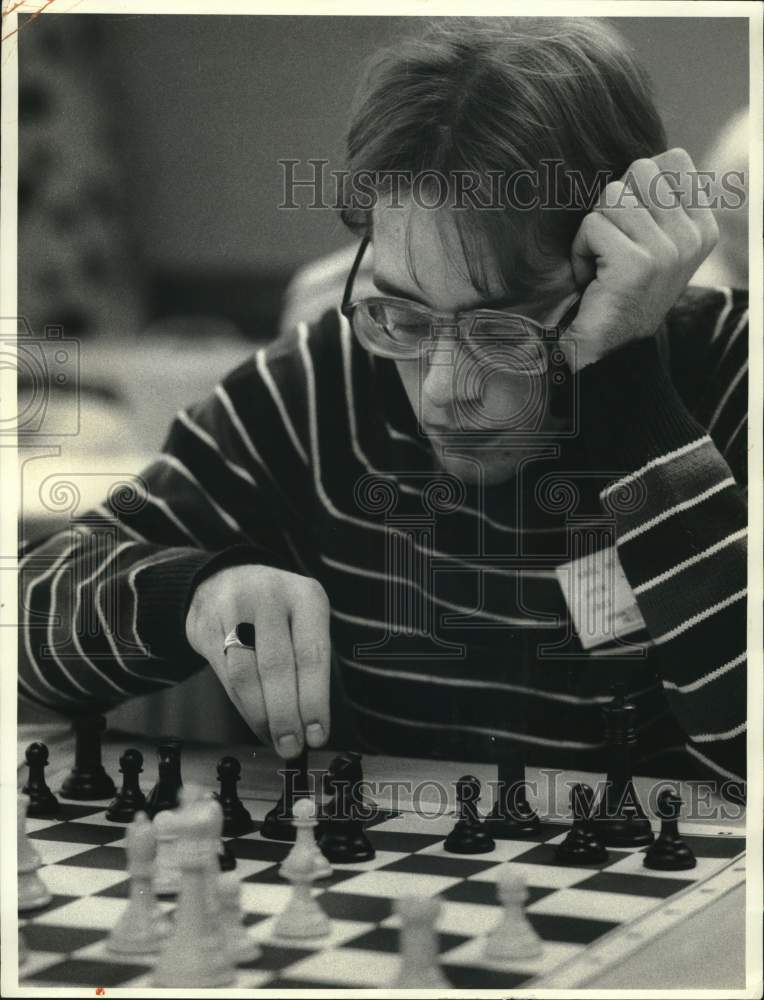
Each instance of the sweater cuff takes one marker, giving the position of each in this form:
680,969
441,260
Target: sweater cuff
630,411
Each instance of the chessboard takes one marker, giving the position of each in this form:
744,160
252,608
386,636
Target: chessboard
589,918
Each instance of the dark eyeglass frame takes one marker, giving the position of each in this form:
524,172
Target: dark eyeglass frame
547,335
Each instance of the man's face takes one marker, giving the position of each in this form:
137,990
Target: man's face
469,405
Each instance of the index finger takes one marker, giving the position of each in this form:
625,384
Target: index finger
312,657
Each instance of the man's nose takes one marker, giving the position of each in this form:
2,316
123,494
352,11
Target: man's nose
440,375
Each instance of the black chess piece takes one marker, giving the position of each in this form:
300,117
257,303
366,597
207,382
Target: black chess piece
236,818
166,792
469,835
226,857
669,853
511,815
341,837
130,799
618,818
277,824
581,846
42,801
88,779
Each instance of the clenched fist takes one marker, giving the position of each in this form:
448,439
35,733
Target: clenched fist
281,688
635,254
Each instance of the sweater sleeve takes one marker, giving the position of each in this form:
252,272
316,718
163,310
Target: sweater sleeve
104,601
680,514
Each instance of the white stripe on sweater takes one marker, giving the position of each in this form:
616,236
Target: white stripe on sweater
706,678
725,398
723,314
728,734
184,471
712,763
210,441
655,463
680,567
640,529
262,367
701,616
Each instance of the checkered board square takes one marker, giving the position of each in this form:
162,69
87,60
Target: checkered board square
588,917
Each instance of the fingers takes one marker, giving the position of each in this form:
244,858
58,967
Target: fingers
239,676
310,635
276,668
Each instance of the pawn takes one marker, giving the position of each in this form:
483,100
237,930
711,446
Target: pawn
419,967
669,853
305,845
33,893
142,927
42,802
469,835
236,818
513,937
166,792
130,798
302,917
241,946
581,845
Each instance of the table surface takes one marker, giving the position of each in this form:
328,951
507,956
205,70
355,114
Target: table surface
707,950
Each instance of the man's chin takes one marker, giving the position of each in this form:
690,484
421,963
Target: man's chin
491,468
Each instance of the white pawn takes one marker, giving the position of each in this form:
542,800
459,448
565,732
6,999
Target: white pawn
513,937
302,917
305,822
33,893
142,926
419,968
241,946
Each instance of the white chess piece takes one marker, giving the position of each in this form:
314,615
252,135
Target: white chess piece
167,871
241,946
142,926
33,893
419,968
305,822
513,937
302,917
194,955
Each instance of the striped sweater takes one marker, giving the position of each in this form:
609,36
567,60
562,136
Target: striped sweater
451,635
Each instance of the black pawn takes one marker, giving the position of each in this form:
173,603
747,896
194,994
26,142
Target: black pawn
469,836
669,853
130,799
581,846
236,819
42,802
88,779
277,824
166,792
511,815
341,836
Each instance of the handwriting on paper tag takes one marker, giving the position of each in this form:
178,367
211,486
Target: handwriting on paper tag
599,598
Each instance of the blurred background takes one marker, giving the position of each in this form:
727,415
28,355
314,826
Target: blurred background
151,242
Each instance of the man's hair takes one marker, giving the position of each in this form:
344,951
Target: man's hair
494,97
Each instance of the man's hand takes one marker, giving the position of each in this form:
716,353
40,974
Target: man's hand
636,252
281,688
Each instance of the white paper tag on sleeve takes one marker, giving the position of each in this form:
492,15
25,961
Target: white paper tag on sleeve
599,598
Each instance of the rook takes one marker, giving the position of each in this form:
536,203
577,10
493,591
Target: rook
165,793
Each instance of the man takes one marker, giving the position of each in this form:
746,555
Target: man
458,511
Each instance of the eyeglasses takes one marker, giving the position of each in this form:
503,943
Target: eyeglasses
402,330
